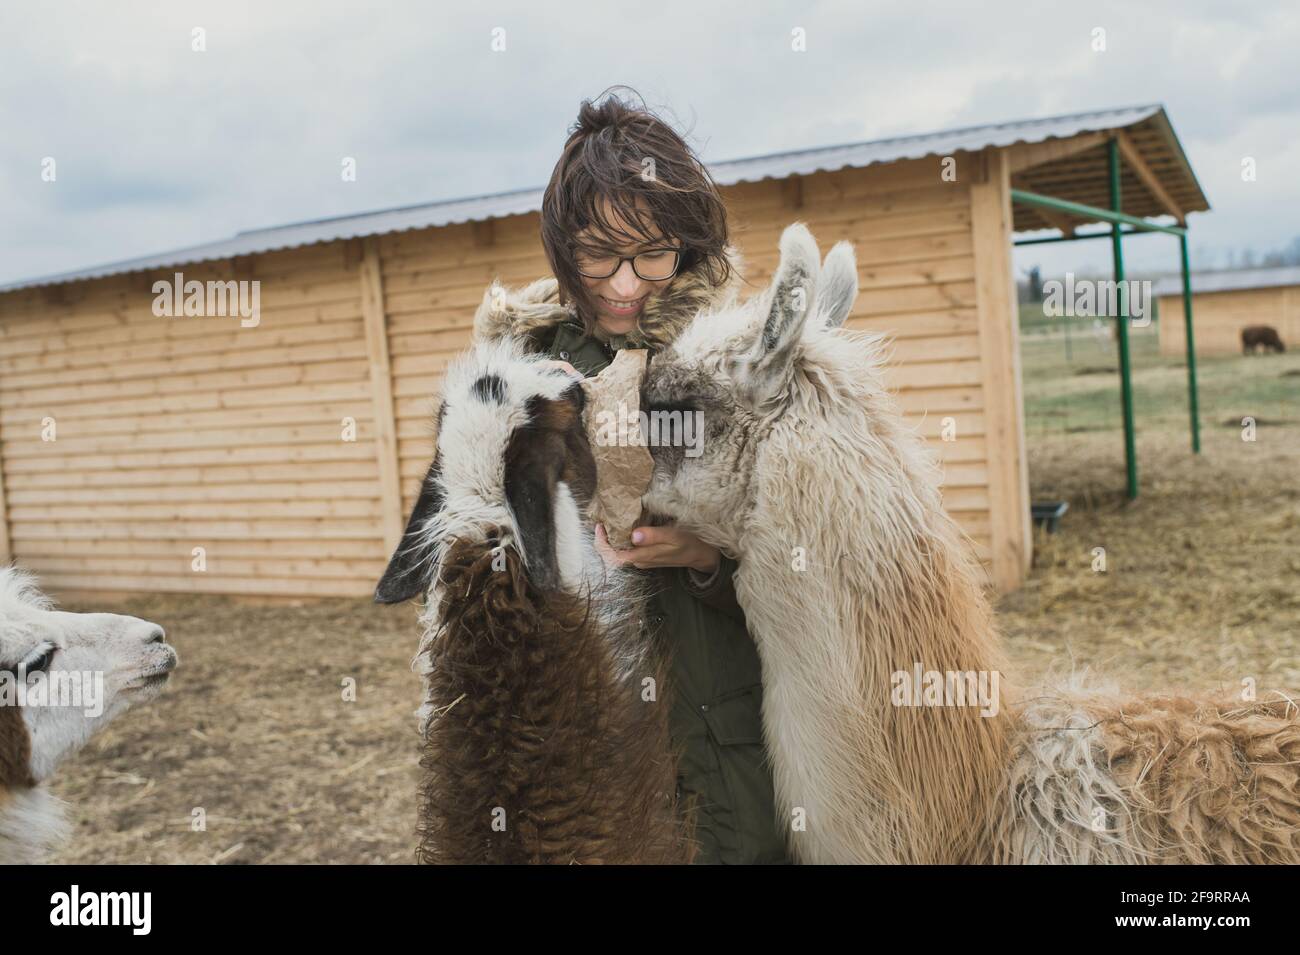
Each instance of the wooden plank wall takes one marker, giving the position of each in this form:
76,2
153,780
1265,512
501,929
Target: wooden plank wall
177,433
434,280
184,432
1220,317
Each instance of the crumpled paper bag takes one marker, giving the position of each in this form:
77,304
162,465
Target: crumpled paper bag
623,465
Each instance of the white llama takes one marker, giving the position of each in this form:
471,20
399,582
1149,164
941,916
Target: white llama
78,672
851,575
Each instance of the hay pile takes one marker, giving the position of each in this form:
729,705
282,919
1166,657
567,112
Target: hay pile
1202,587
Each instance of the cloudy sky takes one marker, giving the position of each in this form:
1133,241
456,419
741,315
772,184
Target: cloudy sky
157,146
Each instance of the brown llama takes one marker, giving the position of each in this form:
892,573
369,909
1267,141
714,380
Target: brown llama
545,737
1254,337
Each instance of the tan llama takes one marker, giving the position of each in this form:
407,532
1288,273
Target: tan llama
851,575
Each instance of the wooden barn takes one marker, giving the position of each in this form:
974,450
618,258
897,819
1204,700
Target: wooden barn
1227,302
141,451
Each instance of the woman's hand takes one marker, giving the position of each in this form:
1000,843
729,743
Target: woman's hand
563,366
667,546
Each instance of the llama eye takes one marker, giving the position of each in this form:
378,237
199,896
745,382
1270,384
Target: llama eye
39,661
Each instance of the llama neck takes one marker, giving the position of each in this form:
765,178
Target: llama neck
540,747
32,824
846,588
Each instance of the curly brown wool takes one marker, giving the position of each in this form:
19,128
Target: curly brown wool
1209,783
537,752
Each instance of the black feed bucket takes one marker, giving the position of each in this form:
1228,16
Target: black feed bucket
1049,514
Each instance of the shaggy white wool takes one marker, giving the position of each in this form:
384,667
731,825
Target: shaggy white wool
1067,805
33,822
474,436
19,593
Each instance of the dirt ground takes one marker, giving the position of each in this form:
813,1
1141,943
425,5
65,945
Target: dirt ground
1201,590
254,732
1202,580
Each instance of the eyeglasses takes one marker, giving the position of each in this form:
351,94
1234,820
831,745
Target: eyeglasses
652,265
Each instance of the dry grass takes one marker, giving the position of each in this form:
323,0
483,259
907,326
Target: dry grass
1202,582
1200,591
254,730
1202,571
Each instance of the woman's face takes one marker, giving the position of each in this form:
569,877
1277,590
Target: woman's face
620,298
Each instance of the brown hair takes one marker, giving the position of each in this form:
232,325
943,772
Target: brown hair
619,152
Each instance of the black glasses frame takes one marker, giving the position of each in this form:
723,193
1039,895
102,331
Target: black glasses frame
677,264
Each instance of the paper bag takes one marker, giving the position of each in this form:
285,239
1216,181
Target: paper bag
623,465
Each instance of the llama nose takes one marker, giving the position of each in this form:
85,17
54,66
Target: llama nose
157,635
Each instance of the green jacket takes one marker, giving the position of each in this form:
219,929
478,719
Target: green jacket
716,685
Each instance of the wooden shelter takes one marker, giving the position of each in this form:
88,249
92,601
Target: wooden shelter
206,454
1227,302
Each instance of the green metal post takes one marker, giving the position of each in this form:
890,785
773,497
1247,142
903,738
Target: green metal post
1121,327
1079,237
1192,403
1092,212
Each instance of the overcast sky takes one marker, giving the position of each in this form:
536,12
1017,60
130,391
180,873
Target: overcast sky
158,146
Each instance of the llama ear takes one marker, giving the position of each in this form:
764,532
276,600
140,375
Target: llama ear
763,371
533,461
531,499
838,287
794,288
411,568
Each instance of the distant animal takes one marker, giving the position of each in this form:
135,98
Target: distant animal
59,658
1254,337
545,716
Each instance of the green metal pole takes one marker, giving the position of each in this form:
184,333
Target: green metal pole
1121,326
1087,212
1079,237
1192,403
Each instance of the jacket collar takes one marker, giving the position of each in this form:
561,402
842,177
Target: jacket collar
532,313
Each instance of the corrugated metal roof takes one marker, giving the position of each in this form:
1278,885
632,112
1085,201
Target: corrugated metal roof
771,166
298,234
1228,281
942,143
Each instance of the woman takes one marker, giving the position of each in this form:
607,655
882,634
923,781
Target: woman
636,236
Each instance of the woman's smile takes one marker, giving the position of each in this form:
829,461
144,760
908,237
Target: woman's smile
624,308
